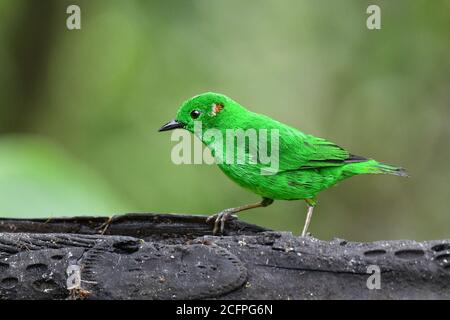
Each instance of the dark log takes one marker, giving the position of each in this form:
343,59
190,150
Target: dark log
161,256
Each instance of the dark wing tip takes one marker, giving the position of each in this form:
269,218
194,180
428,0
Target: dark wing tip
355,158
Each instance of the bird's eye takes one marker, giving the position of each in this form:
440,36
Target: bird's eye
195,114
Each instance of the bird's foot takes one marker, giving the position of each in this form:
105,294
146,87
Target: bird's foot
307,235
104,226
220,219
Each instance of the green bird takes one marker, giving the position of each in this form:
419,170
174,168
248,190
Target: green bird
305,165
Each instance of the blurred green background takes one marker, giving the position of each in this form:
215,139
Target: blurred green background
80,110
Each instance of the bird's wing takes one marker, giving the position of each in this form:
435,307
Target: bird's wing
300,151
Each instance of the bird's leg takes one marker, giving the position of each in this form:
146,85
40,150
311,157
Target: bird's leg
221,217
311,204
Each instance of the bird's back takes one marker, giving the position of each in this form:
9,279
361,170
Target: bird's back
306,164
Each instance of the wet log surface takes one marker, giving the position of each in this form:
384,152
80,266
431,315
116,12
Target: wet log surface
162,256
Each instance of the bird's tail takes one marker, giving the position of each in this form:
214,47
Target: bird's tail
374,167
388,169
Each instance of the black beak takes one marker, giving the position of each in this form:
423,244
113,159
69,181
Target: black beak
174,124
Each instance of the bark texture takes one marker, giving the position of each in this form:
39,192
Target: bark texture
162,256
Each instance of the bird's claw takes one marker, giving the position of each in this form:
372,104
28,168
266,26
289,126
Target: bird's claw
104,226
307,235
220,219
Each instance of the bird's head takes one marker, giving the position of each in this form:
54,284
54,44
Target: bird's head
212,109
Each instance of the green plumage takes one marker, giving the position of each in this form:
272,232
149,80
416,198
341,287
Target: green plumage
306,166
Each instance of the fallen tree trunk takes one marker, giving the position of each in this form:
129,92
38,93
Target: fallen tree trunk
160,256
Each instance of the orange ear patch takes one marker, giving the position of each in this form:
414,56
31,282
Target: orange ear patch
216,108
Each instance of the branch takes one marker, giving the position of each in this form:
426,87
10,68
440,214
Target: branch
161,256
